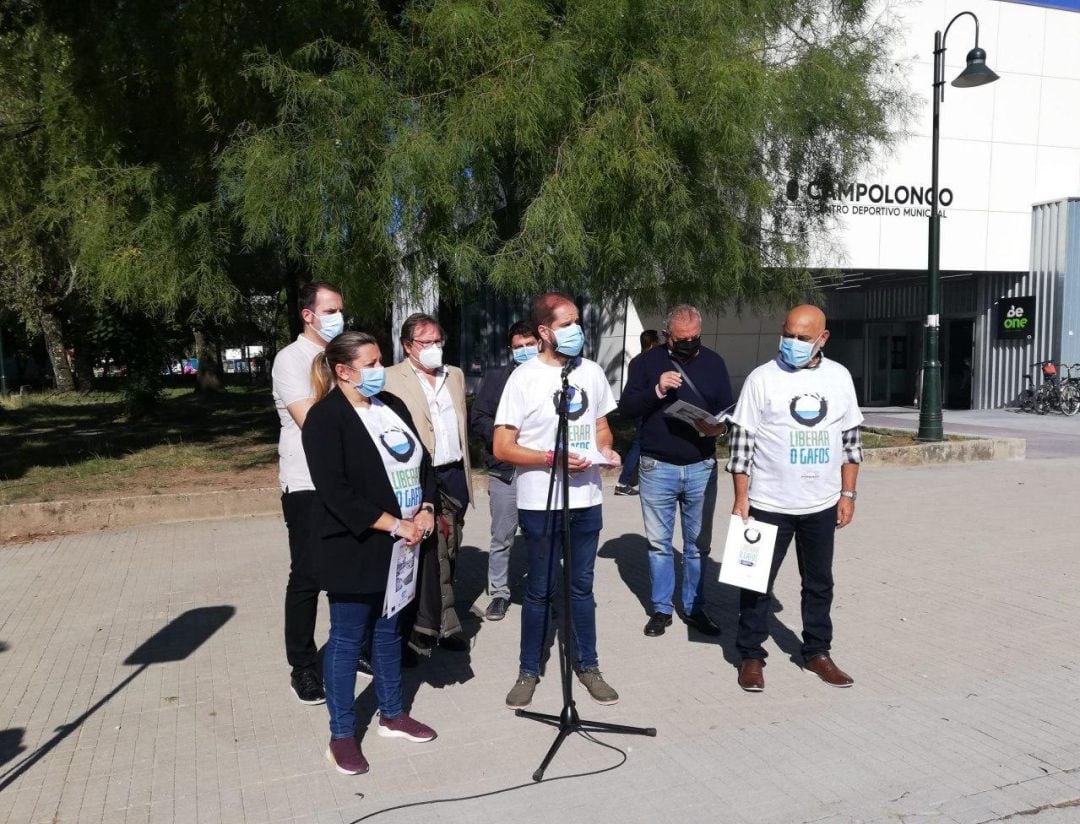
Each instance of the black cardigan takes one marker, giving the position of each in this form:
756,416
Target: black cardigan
353,490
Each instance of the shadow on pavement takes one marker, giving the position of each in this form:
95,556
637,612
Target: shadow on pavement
10,740
175,641
630,552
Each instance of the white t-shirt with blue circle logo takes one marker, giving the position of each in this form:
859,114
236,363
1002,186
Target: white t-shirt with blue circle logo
797,418
401,453
528,404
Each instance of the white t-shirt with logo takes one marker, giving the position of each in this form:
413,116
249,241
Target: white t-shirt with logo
797,419
529,405
291,376
401,453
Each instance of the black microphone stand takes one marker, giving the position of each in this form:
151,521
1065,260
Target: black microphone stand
568,721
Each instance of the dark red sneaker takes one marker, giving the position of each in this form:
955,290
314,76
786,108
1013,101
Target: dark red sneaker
405,727
346,757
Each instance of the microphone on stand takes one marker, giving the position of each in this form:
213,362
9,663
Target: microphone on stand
571,365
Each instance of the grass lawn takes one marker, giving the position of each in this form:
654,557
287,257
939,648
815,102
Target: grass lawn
55,447
871,438
58,447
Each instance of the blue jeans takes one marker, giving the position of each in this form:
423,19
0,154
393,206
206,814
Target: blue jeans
633,454
814,534
543,536
355,621
691,488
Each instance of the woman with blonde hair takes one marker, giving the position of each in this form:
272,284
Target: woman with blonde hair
375,484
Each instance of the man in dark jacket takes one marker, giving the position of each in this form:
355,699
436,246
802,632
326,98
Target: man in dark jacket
502,485
677,468
650,339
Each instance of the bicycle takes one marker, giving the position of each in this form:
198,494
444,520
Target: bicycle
1053,394
1072,386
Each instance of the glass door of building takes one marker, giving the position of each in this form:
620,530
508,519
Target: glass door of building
892,366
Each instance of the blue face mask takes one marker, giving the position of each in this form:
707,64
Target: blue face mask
569,340
797,353
330,326
525,353
372,380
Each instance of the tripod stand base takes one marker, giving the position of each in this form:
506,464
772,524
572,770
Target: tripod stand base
568,721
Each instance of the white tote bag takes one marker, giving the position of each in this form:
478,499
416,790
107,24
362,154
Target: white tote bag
748,554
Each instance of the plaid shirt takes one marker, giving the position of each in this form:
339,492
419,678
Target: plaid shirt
741,444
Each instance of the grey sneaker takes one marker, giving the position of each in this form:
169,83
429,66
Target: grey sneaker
520,695
599,689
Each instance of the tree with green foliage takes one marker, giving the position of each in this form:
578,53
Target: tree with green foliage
178,159
614,147
112,117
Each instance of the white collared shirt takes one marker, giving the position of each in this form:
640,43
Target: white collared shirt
443,417
291,375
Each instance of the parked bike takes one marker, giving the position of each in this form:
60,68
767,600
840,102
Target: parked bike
1053,394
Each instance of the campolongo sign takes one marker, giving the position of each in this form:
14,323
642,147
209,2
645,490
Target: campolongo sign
877,199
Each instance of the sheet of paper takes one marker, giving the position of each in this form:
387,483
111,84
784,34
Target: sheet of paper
401,582
691,414
748,554
593,456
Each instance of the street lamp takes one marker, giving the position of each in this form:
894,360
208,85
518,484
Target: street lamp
976,73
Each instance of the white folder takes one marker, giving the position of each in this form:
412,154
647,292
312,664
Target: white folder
748,554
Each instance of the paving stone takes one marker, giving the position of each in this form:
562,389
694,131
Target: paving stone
955,627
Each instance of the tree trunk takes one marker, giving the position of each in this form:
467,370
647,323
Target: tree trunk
84,367
209,379
54,345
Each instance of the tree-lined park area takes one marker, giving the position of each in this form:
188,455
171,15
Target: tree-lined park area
174,172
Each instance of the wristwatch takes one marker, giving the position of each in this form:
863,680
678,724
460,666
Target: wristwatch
849,493
428,508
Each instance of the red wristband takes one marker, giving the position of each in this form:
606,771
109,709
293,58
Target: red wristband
549,458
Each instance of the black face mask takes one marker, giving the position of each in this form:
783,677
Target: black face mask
684,350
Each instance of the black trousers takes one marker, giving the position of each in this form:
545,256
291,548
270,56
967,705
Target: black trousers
813,536
301,593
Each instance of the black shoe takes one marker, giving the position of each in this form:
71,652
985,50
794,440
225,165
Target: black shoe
454,643
496,610
308,687
699,620
625,489
421,644
657,624
363,668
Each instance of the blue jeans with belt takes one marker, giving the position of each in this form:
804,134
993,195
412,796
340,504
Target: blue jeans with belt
691,489
543,535
355,621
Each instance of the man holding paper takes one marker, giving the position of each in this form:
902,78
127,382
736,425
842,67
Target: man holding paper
525,428
795,454
678,390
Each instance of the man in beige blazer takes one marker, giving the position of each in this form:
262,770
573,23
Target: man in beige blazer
435,396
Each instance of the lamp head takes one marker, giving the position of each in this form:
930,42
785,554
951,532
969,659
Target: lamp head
976,73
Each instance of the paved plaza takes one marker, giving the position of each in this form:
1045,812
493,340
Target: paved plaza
142,678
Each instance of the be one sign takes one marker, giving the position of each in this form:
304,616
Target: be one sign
1016,318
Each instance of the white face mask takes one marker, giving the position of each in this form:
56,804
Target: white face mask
430,357
330,326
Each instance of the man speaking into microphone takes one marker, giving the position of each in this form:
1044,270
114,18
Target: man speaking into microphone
525,429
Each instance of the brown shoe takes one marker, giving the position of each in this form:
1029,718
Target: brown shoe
823,667
751,677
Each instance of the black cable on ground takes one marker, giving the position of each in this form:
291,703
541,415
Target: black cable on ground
583,734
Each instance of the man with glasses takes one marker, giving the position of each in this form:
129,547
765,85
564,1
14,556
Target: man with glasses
677,469
434,394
